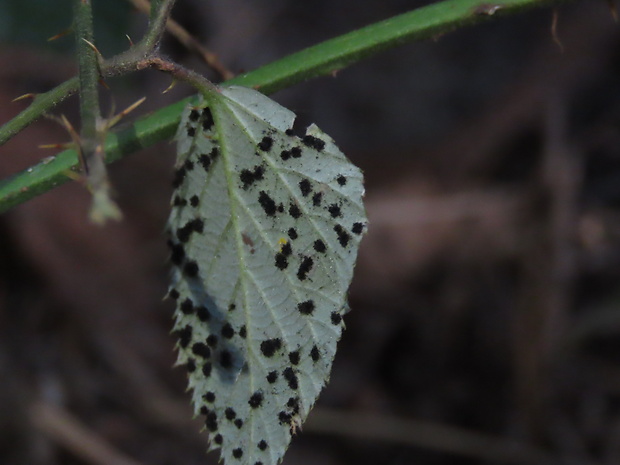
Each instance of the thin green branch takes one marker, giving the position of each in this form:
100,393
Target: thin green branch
322,59
160,12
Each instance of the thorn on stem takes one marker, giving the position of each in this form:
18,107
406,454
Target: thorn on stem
25,96
60,34
170,87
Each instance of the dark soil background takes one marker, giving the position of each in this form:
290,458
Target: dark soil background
485,323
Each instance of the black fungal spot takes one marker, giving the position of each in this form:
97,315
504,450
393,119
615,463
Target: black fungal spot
190,365
179,177
285,155
212,340
270,346
226,359
294,357
194,115
238,423
262,445
293,404
343,236
336,318
187,307
231,307
256,399
203,314
205,161
341,180
334,210
314,142
227,331
194,200
357,228
215,152
174,294
284,417
207,119
280,207
267,203
209,397
191,131
281,261
178,201
305,187
178,254
265,144
206,369
258,463
290,377
316,199
185,336
230,414
292,233
287,250
195,225
319,246
201,349
189,165
272,377
243,332
249,177
296,152
237,453
218,439
211,422
306,308
204,410
304,268
294,211
191,269
315,354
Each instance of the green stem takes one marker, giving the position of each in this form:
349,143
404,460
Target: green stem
321,59
160,12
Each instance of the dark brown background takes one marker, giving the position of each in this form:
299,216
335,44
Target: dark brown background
486,307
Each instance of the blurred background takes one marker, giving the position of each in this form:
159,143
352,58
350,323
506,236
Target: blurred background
485,323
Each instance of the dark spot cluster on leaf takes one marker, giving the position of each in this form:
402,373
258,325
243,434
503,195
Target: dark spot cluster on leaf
287,250
343,236
304,268
226,359
212,340
207,119
272,377
231,307
174,294
238,423
206,369
205,161
249,177
315,354
187,307
292,233
227,331
218,439
342,180
281,261
191,130
237,453
201,349
188,165
294,211
305,186
270,346
178,201
190,365
230,414
296,152
256,400
179,177
191,269
336,318
294,357
334,210
291,378
319,246
285,155
194,200
194,115
209,397
306,307
195,225
262,445
314,142
265,144
293,404
284,418
211,422
265,201
243,332
316,199
203,314
177,254
357,228
185,336
204,410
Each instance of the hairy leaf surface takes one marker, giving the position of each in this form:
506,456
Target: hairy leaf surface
264,233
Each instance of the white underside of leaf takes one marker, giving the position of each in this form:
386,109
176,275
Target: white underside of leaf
223,221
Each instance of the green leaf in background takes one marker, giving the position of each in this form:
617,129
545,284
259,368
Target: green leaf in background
264,232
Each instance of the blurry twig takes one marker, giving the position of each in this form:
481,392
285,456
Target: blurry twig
447,439
67,431
181,34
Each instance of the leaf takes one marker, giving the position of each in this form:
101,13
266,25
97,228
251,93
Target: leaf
264,233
